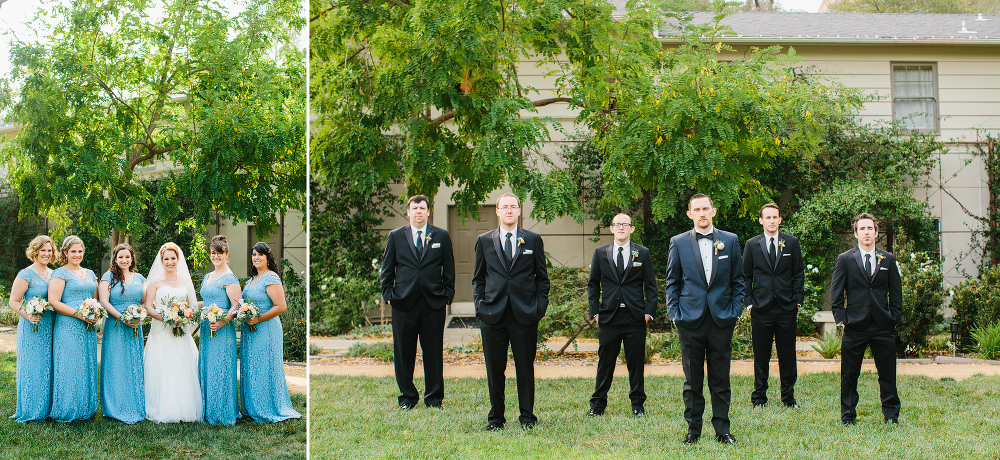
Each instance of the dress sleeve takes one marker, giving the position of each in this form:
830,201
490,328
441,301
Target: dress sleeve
271,278
60,273
142,279
25,275
107,276
230,278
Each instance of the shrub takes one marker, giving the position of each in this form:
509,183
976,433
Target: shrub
293,320
381,351
371,331
568,307
976,303
315,349
340,302
988,340
923,296
828,346
667,345
814,283
742,343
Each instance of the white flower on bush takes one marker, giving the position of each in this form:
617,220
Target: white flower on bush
322,288
913,256
951,293
810,266
815,270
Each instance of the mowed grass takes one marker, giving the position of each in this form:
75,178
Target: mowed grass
104,438
357,418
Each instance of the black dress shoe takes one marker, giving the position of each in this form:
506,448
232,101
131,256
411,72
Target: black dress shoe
493,426
848,422
436,406
891,421
594,413
528,425
691,438
792,405
725,438
758,405
406,406
639,412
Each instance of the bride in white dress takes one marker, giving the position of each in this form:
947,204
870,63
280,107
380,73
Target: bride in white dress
170,363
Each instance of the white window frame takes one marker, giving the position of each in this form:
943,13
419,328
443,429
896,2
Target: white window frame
936,115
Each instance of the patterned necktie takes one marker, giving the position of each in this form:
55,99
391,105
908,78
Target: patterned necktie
621,260
509,248
774,253
868,265
420,243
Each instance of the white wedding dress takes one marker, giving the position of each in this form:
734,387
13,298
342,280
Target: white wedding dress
171,369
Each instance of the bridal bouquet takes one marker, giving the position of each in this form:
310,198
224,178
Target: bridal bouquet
35,307
177,315
246,311
212,313
91,309
133,314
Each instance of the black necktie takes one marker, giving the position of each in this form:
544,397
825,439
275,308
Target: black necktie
700,236
868,265
621,260
420,243
508,248
774,253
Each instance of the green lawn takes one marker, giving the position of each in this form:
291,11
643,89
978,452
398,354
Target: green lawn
355,417
102,438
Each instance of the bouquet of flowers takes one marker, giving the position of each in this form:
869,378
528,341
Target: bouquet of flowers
212,313
133,314
177,314
91,309
246,311
35,307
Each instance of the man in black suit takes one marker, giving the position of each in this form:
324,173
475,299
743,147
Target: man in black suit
704,301
622,297
510,288
418,280
772,267
867,298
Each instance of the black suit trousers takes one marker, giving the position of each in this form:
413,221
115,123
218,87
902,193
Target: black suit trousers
623,328
883,344
773,326
426,324
716,344
522,340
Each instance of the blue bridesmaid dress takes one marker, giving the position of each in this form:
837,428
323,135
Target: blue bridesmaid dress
34,356
217,358
122,381
74,363
263,390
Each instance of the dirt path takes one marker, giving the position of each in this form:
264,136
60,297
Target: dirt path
545,370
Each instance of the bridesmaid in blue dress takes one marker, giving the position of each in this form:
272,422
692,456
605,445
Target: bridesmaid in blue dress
263,390
217,355
74,361
34,349
122,381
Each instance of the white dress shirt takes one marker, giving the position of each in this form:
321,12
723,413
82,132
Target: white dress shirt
705,245
416,242
625,253
513,239
874,260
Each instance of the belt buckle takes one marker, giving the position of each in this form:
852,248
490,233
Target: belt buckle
621,305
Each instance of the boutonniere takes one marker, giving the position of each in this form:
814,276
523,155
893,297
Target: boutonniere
719,245
427,239
878,258
520,241
635,254
781,244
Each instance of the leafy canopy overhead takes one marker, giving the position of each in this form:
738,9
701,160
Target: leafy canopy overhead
116,85
431,92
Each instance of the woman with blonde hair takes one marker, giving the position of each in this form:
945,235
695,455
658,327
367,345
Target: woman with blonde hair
217,344
34,333
170,363
121,346
74,361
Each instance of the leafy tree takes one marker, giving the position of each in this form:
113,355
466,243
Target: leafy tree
916,6
116,85
15,234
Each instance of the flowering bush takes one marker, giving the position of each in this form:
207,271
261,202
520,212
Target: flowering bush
923,296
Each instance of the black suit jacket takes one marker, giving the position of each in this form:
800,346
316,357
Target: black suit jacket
856,298
606,289
773,285
524,283
406,275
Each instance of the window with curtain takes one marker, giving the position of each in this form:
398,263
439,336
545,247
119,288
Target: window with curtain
914,96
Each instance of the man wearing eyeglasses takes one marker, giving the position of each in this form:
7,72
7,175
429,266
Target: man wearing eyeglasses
510,288
622,298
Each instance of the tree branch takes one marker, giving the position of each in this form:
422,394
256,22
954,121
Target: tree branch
539,103
150,153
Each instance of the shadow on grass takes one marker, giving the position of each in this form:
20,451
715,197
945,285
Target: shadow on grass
104,438
357,418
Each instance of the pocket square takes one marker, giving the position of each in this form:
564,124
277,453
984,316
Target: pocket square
882,268
435,245
528,251
785,255
636,264
723,257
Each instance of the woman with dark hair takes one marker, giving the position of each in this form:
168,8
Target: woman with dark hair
121,348
263,391
217,344
74,361
34,334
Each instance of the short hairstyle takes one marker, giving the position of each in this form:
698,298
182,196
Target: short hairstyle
699,195
505,195
418,199
864,216
36,245
68,243
622,214
219,244
769,205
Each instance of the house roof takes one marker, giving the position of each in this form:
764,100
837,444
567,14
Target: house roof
856,27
